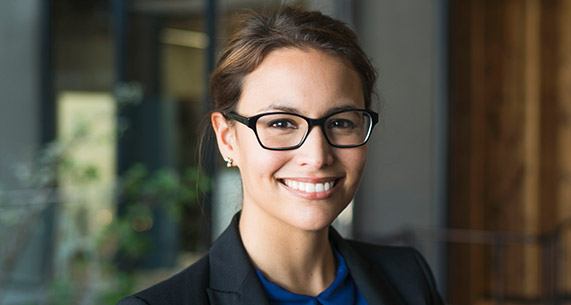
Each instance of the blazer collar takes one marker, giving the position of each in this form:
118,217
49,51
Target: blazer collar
233,280
232,276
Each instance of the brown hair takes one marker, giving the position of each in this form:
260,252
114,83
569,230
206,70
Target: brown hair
259,34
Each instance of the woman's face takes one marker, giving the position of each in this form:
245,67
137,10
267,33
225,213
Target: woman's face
311,83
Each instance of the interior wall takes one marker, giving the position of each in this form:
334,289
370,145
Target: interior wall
19,84
404,182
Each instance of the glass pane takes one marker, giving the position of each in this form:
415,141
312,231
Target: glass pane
87,177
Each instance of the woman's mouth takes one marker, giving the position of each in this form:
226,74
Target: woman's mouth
309,187
313,189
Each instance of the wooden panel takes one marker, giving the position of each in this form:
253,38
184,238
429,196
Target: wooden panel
464,288
510,166
564,102
495,80
564,134
515,146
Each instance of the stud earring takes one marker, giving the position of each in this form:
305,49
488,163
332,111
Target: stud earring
229,162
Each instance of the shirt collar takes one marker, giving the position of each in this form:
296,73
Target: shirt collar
341,291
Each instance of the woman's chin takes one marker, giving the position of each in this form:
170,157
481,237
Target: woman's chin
312,220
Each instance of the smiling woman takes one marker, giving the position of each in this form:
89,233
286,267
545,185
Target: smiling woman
311,83
300,88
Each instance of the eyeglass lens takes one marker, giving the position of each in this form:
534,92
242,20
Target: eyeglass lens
349,128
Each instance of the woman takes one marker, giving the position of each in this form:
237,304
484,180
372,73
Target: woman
292,111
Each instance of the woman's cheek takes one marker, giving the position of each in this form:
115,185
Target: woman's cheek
262,162
354,160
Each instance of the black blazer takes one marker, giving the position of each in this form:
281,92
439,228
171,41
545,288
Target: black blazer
384,275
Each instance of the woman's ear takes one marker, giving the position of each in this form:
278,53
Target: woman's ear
225,136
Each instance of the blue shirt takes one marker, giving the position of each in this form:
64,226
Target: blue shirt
342,291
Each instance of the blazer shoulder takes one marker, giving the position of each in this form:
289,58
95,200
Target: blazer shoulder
132,300
405,267
188,287
384,254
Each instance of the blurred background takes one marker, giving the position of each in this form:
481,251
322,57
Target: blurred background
102,108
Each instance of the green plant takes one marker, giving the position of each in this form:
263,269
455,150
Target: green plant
86,254
143,192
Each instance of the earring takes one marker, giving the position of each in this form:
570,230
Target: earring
229,162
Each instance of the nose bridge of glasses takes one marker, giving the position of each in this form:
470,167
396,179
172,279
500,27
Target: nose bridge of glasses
316,123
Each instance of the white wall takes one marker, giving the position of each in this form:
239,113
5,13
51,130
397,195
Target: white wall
404,182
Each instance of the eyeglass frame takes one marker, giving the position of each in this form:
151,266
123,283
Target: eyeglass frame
251,121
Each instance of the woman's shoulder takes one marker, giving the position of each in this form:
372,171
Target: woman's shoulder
186,287
386,254
404,268
394,260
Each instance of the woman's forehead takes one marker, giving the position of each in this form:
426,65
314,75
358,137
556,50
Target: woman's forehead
302,81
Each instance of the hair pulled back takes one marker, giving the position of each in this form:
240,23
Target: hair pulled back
259,34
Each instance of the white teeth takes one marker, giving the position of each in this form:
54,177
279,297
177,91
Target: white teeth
294,184
309,187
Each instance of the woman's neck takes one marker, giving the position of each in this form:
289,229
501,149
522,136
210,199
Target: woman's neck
299,261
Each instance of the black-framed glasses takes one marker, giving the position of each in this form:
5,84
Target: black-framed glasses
285,131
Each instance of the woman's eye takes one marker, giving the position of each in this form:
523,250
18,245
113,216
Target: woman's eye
342,124
282,124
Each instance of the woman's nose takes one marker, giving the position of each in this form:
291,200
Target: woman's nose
315,150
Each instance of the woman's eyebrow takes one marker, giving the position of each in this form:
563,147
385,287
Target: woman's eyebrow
280,108
283,108
339,108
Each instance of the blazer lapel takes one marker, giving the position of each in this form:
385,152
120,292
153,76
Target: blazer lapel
376,289
233,280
